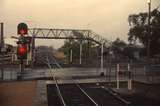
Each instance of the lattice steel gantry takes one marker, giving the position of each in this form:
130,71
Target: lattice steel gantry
46,33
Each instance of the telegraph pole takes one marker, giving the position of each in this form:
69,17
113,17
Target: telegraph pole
2,47
2,37
149,29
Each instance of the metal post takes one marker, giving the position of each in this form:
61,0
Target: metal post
12,58
102,49
2,36
110,64
71,56
27,62
149,30
19,77
70,53
88,53
129,78
29,57
117,76
80,54
2,71
33,49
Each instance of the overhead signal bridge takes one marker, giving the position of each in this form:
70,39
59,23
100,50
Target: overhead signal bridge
45,33
81,35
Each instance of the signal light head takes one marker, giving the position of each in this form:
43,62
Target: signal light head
22,50
22,29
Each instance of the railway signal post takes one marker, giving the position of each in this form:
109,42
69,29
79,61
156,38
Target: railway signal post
22,44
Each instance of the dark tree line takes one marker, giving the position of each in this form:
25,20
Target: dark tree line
124,51
139,30
88,49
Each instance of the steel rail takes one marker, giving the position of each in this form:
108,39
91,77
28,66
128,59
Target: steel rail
58,89
84,92
127,103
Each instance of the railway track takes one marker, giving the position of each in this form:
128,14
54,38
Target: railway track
105,96
87,95
69,94
74,95
82,95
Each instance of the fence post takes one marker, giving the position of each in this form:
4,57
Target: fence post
129,78
2,73
117,74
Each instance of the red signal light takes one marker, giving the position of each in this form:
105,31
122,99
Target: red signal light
22,50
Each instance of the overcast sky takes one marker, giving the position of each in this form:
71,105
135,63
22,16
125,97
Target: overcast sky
105,17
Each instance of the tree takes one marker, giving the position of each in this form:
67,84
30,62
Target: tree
75,46
118,46
139,30
124,51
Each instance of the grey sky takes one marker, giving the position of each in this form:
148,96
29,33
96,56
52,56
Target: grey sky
105,17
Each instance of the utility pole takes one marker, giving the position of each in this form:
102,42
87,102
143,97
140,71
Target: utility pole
2,47
2,37
149,30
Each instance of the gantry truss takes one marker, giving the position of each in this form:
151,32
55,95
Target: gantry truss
45,33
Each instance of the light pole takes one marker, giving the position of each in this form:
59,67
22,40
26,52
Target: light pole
149,29
102,50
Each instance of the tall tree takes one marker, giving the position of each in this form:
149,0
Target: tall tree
139,30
